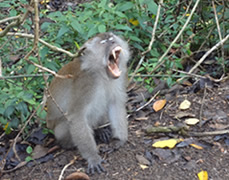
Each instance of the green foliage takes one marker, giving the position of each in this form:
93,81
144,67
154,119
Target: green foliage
29,151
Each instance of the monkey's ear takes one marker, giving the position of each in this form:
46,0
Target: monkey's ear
81,51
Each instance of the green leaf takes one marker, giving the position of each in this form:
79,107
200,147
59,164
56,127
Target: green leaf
102,4
62,31
126,6
9,111
22,107
30,69
152,6
75,24
28,158
120,14
102,28
13,12
5,4
134,38
29,149
123,27
92,31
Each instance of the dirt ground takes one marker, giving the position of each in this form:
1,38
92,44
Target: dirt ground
139,160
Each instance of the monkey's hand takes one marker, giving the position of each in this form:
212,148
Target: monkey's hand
95,165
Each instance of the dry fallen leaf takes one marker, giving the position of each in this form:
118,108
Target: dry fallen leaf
142,160
185,105
159,104
203,175
191,121
170,143
77,176
39,151
196,146
183,114
143,166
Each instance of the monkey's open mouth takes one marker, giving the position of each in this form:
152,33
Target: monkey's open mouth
113,62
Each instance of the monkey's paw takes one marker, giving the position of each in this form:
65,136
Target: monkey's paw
95,165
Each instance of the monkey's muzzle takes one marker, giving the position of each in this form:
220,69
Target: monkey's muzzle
113,62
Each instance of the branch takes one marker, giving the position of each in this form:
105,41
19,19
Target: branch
151,42
19,20
54,48
154,28
206,55
162,60
9,19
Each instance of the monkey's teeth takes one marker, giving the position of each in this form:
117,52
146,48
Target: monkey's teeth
114,54
116,49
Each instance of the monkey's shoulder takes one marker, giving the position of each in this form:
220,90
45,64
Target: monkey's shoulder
71,68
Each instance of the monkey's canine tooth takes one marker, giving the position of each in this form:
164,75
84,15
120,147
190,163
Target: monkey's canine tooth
117,48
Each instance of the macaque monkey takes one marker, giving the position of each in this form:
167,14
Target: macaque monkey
95,91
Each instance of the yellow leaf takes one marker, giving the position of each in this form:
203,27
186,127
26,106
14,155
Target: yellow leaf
44,1
158,105
6,126
134,21
143,166
185,105
203,175
170,143
187,15
196,146
191,121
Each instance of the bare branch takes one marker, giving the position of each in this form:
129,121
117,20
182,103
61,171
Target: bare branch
206,55
162,60
54,48
9,19
154,28
19,20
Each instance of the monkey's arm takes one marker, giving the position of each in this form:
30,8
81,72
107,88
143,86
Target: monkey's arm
82,137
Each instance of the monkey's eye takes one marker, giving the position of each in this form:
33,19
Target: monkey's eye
103,41
111,38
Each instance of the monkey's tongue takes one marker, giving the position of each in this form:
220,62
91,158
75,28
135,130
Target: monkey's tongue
113,68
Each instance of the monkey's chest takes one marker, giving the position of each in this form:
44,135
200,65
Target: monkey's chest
98,106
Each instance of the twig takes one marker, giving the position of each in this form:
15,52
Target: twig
136,69
19,20
187,9
182,129
66,166
202,105
189,74
150,44
161,60
23,76
206,54
9,19
219,32
22,129
54,48
48,70
146,104
209,133
166,129
154,28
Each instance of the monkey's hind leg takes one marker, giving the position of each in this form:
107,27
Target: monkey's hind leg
63,135
117,116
